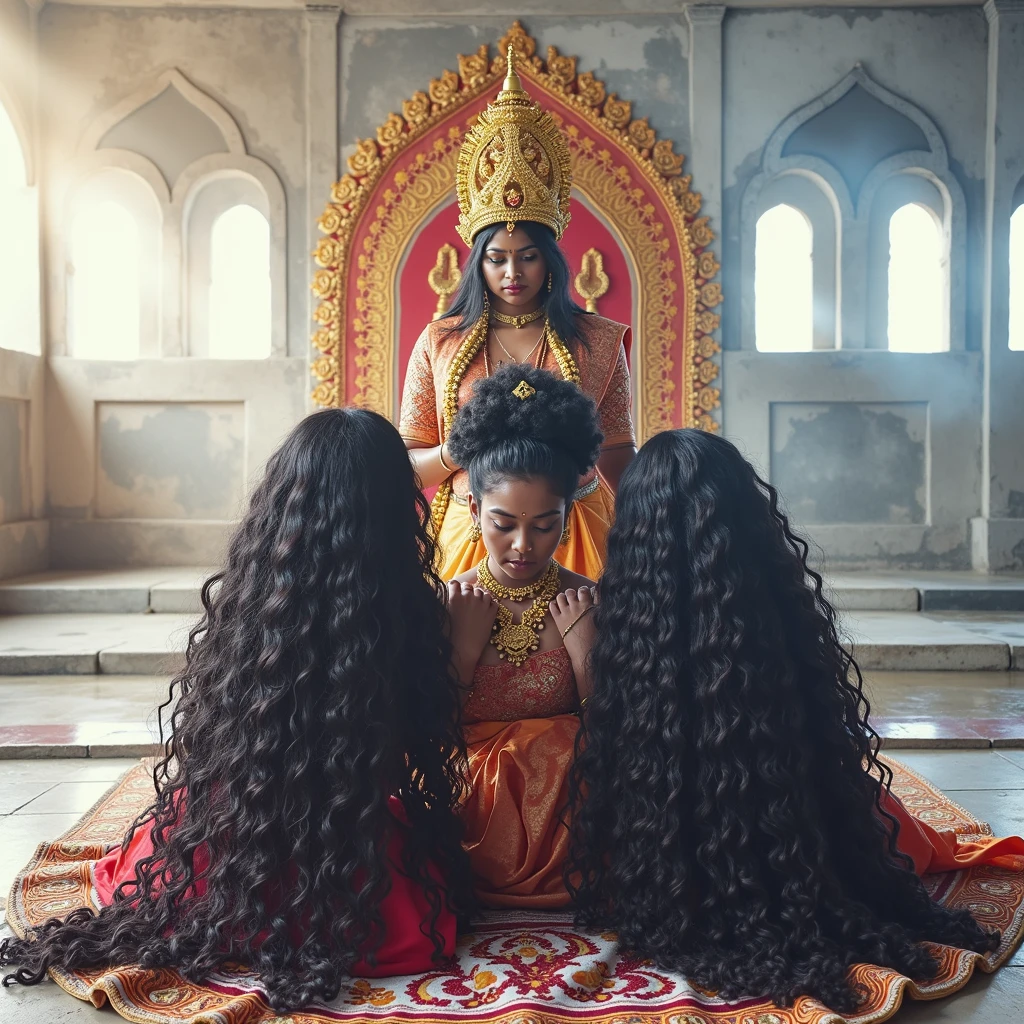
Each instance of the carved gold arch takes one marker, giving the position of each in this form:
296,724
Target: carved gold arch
634,179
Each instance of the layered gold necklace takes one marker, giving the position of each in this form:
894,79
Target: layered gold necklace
515,641
518,322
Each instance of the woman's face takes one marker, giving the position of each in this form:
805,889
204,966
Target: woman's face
514,271
522,523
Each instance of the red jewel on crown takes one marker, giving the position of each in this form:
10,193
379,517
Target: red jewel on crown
513,197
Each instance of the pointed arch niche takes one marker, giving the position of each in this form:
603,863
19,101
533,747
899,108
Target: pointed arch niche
19,237
187,161
627,183
849,160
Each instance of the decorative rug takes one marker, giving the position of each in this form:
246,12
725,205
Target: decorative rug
512,968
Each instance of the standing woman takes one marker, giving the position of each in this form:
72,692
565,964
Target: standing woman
514,306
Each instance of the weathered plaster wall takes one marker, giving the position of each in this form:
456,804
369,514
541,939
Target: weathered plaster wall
643,58
149,461
24,530
251,62
878,454
775,62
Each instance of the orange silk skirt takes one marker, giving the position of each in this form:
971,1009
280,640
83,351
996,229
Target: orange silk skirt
590,519
515,817
932,850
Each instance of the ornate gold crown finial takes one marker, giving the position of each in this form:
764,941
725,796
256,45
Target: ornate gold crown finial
514,165
512,82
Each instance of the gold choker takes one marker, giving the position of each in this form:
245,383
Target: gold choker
518,321
515,641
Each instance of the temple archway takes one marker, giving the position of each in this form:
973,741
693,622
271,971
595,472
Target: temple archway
637,244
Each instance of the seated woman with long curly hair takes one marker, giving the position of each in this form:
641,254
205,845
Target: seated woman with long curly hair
304,820
732,819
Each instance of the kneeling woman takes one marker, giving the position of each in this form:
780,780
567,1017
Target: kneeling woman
733,820
525,437
304,817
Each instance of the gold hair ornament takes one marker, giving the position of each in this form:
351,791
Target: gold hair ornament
515,641
513,166
523,391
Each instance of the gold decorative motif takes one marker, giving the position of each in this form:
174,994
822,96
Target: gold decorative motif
523,391
711,294
561,69
590,90
444,277
398,204
617,112
474,68
417,109
514,165
641,134
592,282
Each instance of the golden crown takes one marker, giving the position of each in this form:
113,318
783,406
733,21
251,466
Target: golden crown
514,165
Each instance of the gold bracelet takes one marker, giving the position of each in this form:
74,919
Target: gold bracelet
565,632
440,456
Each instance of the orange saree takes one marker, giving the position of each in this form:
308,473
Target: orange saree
604,375
520,733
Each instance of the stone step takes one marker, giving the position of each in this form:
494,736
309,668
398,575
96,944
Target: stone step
173,590
153,644
176,590
74,644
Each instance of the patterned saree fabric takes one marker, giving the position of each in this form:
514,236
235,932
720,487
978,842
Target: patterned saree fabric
520,737
525,965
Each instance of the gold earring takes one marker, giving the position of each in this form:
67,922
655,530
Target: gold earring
565,535
550,279
475,531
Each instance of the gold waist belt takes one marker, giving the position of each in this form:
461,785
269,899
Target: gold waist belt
582,492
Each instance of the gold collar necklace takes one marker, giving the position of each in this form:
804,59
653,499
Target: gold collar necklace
515,641
518,322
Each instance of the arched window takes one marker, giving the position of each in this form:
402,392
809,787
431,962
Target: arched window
19,246
239,307
1017,279
916,281
783,281
105,285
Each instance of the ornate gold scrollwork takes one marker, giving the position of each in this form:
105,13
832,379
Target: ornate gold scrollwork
592,282
409,196
444,277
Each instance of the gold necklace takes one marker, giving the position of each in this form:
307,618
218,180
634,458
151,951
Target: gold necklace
529,355
518,322
514,641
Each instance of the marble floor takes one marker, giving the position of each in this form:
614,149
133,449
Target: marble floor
39,799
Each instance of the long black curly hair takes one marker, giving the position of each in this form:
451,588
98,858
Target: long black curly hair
468,303
316,686
553,433
727,816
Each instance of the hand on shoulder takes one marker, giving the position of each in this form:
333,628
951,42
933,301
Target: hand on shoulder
471,614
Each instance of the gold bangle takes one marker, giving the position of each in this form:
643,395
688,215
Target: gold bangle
565,632
440,456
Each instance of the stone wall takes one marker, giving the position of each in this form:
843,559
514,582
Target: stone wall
885,458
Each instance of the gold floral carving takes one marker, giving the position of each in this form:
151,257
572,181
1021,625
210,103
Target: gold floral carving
397,202
592,282
444,277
